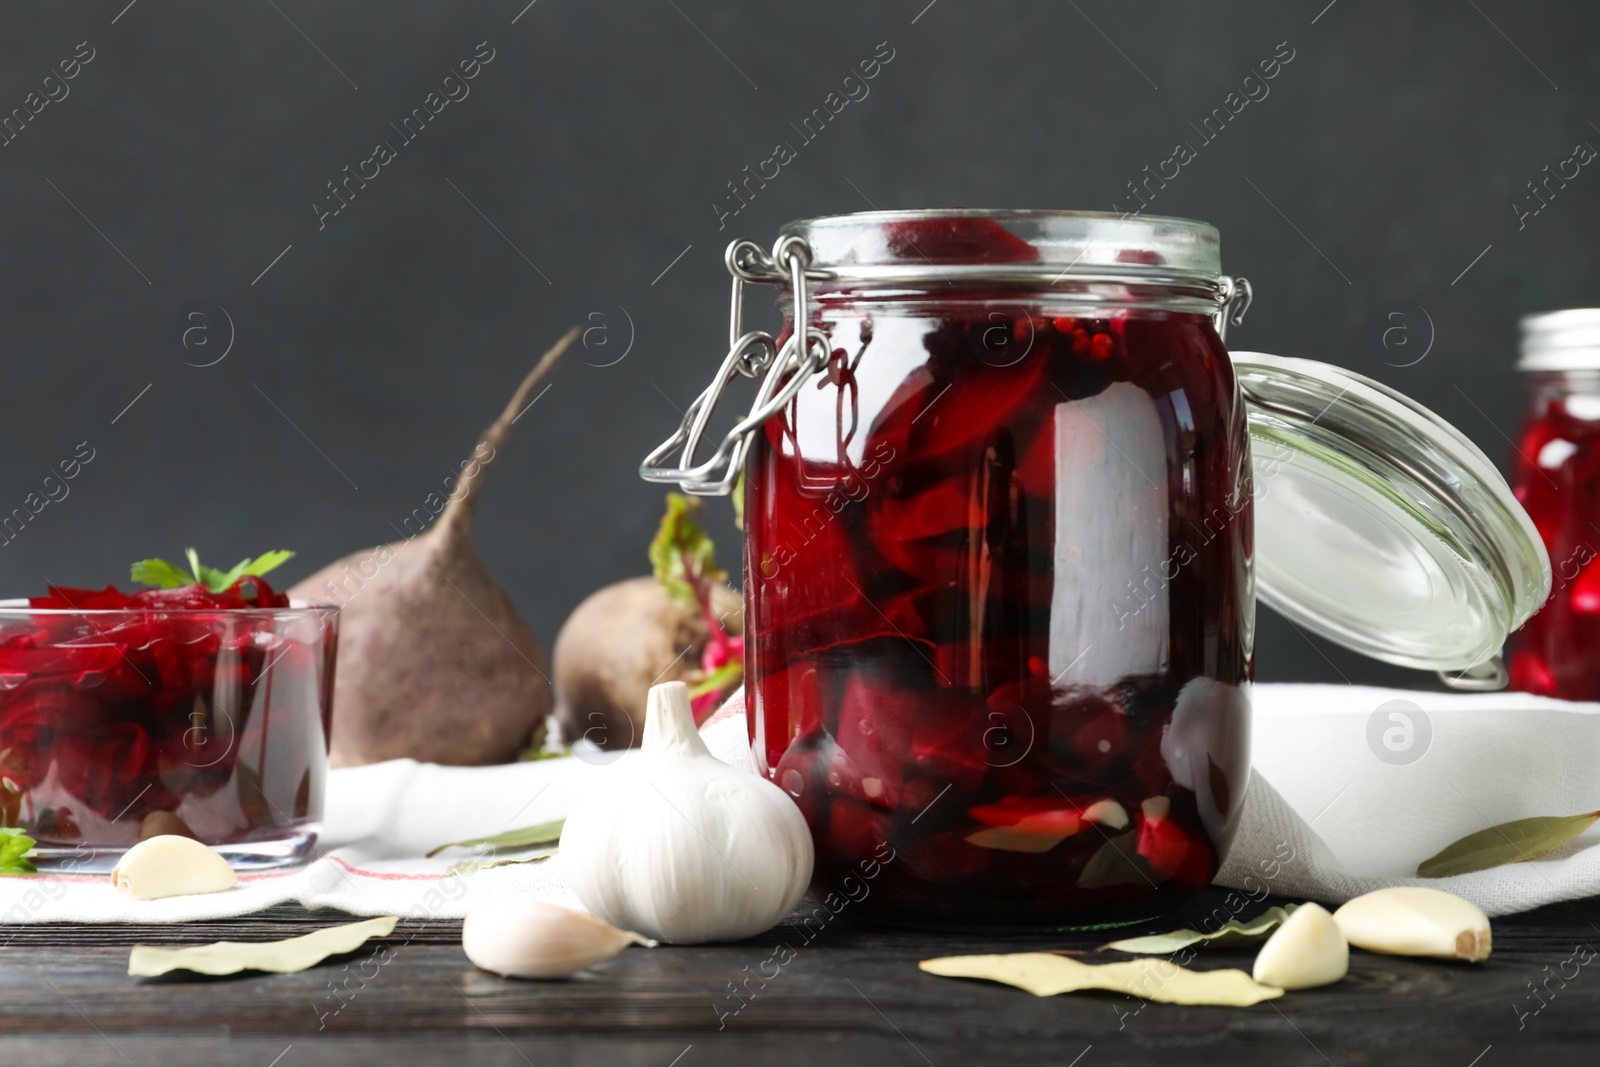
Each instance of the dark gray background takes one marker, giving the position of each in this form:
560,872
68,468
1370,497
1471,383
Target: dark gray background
371,354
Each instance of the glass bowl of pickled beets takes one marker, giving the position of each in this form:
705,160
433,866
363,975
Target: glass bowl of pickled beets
201,709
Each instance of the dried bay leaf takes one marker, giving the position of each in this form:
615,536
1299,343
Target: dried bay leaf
1511,842
1117,862
544,833
1232,932
470,867
1044,975
279,957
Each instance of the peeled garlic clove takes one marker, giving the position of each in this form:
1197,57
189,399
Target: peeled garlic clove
1414,921
1107,813
171,866
531,939
1308,950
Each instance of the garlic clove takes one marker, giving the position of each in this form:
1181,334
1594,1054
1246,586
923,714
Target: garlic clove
1416,921
1308,950
532,939
1107,813
171,866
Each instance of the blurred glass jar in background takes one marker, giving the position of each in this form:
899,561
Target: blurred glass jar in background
1557,479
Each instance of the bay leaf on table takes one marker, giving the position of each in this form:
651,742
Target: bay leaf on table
523,837
469,867
1232,932
1045,974
279,957
1511,842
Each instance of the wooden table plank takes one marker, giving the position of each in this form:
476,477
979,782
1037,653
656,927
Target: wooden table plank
850,994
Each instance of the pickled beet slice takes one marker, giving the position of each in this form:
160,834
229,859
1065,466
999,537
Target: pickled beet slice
1036,469
1039,824
897,746
855,828
108,767
1530,674
947,507
926,534
1162,843
1585,596
1169,848
947,741
67,598
874,732
782,707
984,400
248,592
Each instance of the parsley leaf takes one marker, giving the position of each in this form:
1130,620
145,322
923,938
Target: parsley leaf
169,576
160,572
268,561
14,848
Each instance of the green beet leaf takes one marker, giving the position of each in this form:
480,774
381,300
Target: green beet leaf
1512,842
724,677
1232,932
544,833
683,557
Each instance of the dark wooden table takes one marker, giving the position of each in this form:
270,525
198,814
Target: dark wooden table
851,994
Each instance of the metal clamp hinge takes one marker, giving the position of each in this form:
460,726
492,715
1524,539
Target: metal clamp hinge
1235,295
781,371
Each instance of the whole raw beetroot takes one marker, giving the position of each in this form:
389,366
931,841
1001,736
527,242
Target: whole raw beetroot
619,642
434,661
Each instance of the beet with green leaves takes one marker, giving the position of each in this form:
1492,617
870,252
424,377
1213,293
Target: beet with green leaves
683,624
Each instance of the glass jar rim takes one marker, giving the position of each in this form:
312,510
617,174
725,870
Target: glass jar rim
1565,340
18,607
1057,242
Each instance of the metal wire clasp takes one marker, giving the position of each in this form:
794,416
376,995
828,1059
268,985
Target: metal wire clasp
1235,295
754,354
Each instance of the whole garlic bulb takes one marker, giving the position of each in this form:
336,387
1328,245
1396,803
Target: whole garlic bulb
682,847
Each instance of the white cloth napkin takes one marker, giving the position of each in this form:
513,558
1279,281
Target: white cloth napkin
1356,786
1325,817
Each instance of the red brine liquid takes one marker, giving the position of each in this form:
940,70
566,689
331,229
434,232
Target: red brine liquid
998,608
122,715
1556,477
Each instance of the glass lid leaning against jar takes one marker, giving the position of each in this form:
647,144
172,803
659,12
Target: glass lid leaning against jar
1007,510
